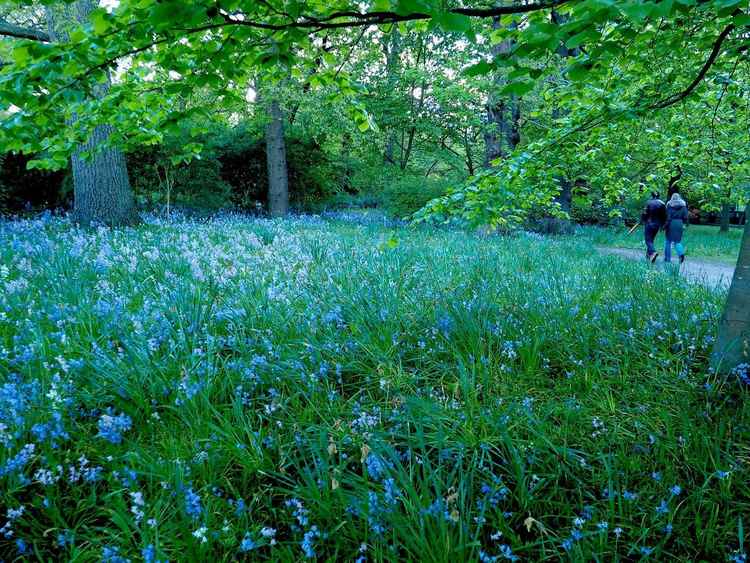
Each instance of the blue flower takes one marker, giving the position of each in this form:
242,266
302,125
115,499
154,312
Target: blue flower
247,544
193,506
507,553
676,490
391,494
112,427
376,466
19,461
22,547
149,554
239,507
308,542
112,555
300,512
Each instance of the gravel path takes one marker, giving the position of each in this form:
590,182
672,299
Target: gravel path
711,274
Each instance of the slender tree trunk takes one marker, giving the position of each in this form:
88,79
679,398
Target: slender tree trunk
469,155
725,210
101,186
278,179
392,49
732,346
672,186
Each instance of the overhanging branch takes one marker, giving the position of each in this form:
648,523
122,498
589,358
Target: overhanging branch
678,96
346,19
10,30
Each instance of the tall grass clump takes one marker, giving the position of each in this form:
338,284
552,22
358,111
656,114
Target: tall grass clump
307,388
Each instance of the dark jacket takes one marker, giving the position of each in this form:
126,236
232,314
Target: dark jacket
655,212
677,217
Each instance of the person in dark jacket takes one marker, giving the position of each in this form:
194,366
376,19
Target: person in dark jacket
654,216
677,218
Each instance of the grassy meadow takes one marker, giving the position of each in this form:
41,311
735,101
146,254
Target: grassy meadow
242,389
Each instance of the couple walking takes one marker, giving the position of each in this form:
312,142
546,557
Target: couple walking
672,217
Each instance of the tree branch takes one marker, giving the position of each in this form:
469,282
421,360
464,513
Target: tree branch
8,29
358,19
674,98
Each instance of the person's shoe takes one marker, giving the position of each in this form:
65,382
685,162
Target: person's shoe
654,256
682,259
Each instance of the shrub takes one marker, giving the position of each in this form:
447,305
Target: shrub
398,192
22,189
198,183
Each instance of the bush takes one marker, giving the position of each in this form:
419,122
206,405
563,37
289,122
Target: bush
196,184
400,193
23,189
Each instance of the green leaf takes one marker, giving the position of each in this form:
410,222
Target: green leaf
480,68
586,36
100,21
21,55
406,7
453,22
663,9
578,72
518,88
636,11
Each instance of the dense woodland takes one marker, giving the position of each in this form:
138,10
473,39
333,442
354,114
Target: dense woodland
489,117
555,101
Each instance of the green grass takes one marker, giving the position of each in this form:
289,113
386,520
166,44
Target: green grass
366,392
701,241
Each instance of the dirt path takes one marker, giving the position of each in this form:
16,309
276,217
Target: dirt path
711,274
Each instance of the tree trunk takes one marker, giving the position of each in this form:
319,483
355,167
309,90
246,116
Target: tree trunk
502,132
732,346
101,186
392,49
725,210
672,187
278,179
565,197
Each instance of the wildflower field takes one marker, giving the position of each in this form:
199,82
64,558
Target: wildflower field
310,388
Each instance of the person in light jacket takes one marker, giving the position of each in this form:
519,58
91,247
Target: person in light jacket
677,218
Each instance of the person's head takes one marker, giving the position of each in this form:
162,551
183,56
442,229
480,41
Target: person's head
676,199
654,195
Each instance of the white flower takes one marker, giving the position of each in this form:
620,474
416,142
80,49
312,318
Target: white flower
200,534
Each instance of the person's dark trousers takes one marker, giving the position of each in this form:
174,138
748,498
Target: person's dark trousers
652,229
